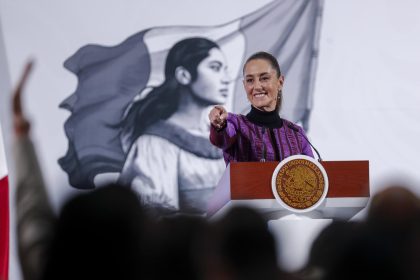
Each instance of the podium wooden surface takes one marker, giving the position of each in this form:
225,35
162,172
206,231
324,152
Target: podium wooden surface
251,182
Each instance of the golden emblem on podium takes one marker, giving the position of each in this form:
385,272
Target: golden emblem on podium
300,183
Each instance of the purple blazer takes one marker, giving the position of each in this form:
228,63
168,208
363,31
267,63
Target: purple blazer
242,140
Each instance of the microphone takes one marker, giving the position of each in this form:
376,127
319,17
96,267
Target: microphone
264,147
293,127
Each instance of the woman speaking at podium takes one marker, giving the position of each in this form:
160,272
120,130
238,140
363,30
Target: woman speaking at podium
261,135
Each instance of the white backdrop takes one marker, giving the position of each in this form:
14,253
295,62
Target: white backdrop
367,90
367,95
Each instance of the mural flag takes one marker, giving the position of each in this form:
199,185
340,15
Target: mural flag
110,79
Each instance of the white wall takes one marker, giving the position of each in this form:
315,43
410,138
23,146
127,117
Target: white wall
367,97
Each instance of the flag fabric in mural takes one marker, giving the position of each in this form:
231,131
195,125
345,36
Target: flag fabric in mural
4,214
290,31
112,79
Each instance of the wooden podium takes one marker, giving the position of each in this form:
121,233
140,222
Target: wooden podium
249,183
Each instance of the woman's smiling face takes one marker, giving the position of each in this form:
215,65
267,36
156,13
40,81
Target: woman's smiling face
262,84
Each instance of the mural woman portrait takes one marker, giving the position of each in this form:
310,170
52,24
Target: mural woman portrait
170,161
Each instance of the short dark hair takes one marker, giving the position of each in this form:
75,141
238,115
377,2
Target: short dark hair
188,53
266,56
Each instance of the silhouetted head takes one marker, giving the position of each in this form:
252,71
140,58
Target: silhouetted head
394,206
240,246
99,235
174,247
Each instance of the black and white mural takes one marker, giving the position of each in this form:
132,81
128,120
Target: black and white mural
139,112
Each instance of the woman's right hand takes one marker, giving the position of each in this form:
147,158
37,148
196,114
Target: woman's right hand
218,116
20,122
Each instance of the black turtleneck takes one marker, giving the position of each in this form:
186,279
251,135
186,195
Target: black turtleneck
266,119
